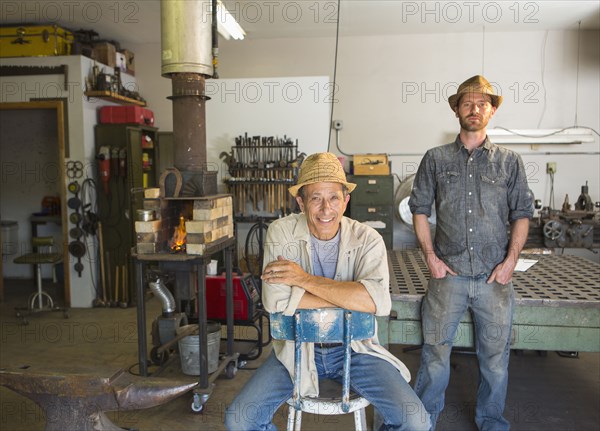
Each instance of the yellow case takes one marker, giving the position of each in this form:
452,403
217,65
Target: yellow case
35,40
371,164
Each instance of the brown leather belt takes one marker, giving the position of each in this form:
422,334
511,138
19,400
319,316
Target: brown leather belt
328,345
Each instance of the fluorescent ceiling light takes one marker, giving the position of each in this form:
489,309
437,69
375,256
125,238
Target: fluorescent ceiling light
572,135
227,26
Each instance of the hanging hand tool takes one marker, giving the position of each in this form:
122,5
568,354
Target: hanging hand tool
101,302
117,281
104,167
123,163
114,161
123,302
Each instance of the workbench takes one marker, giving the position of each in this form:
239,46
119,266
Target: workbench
557,304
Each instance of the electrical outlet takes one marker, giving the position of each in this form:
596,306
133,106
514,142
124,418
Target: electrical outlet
551,167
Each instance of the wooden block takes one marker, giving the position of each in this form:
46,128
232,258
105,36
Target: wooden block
222,221
148,237
152,193
199,238
227,201
207,204
147,226
199,226
209,236
207,214
195,248
147,247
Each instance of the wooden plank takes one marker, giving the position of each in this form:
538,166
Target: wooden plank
115,97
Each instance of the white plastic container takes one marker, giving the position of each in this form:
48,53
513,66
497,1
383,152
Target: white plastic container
212,267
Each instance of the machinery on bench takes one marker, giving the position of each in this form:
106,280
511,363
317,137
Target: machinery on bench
567,228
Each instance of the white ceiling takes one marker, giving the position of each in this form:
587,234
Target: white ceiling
139,21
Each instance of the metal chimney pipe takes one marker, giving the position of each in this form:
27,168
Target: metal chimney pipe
186,28
186,37
189,121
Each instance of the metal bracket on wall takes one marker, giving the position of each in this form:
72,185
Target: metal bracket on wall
63,69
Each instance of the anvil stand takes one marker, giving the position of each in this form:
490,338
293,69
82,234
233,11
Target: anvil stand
197,264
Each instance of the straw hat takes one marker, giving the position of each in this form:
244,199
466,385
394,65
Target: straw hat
475,84
321,168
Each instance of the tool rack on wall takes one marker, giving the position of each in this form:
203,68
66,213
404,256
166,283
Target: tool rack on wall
262,169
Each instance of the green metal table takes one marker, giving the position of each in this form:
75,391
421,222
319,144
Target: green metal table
557,304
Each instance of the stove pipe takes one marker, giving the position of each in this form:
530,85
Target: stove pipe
186,39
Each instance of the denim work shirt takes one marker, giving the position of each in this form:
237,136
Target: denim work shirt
475,196
362,257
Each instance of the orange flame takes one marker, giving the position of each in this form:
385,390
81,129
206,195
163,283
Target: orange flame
177,242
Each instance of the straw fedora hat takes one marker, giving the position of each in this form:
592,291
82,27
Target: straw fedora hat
321,168
475,84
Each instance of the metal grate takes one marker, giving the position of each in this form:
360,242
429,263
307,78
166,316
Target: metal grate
553,278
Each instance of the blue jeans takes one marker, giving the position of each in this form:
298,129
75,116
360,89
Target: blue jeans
492,307
373,378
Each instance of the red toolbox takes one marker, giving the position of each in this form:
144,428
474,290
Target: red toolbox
245,297
126,114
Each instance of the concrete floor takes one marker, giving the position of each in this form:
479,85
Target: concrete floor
549,393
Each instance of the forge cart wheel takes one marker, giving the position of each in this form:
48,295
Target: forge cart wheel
158,358
231,370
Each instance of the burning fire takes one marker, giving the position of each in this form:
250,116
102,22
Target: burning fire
177,242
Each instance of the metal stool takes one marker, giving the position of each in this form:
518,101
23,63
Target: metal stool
44,254
325,325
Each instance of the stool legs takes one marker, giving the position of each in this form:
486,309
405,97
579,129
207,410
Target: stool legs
294,422
360,420
40,294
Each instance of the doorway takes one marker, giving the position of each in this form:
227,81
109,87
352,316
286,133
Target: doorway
33,182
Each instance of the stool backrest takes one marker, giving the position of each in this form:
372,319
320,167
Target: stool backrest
323,325
44,244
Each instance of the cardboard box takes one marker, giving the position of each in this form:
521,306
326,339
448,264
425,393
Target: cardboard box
371,164
105,52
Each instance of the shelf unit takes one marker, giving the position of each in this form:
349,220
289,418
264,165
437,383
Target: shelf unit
260,177
117,208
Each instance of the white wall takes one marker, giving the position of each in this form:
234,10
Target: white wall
392,91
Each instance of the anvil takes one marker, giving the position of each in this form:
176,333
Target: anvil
78,401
